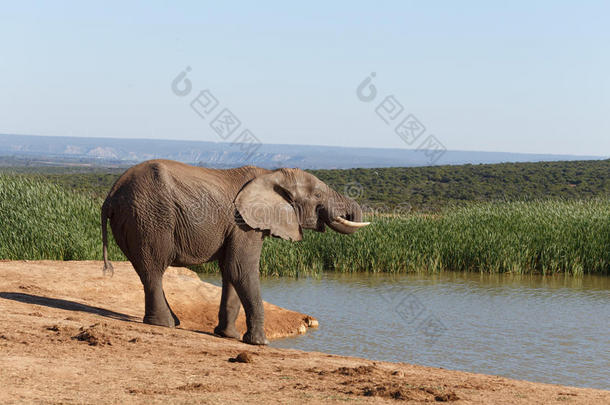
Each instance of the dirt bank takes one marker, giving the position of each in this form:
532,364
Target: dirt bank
69,335
82,286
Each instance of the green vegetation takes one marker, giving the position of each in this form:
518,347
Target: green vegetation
431,188
519,237
43,220
425,189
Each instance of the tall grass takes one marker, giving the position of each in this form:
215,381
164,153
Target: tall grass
518,237
39,220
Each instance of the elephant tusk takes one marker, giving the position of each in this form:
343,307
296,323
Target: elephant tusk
350,223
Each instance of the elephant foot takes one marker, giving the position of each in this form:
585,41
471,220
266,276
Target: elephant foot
255,338
231,333
167,321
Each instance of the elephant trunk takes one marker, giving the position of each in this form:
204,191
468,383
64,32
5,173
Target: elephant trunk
344,215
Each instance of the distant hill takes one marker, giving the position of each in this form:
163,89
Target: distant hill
405,188
50,150
431,188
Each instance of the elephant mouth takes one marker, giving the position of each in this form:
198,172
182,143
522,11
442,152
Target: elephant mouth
321,225
345,219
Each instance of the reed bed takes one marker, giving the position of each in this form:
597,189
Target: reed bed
40,220
516,237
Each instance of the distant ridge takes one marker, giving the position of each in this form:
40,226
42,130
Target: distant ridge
224,155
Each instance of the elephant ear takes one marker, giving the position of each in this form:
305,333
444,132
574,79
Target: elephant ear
264,203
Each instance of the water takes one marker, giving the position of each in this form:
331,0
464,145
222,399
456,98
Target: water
552,329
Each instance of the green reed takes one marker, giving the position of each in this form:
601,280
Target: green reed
517,237
40,220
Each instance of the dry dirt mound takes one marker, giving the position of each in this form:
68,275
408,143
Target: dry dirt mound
81,286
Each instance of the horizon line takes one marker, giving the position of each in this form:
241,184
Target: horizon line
601,157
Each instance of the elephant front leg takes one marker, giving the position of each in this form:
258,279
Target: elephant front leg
240,266
229,309
248,289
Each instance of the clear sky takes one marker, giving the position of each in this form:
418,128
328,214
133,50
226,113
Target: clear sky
519,76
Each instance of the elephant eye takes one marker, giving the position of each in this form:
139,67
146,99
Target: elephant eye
317,194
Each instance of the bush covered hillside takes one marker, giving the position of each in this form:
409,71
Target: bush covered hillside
430,188
423,188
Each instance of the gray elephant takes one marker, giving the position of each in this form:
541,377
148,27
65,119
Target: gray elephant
165,213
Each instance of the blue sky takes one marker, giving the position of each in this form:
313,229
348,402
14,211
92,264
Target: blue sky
521,76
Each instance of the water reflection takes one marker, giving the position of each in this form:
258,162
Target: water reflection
551,329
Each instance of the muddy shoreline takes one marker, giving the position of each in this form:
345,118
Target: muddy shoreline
69,335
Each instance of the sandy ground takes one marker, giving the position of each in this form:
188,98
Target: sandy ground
69,335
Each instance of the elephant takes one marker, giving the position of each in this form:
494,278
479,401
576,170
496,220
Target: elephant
166,213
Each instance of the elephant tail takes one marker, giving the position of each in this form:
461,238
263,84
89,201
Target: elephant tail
108,269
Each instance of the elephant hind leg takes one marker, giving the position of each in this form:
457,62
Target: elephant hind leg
157,310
